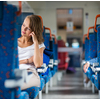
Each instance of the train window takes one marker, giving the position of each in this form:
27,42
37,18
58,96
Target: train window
1,10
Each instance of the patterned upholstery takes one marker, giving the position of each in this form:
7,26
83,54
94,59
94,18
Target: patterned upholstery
95,46
0,25
42,84
92,46
47,75
97,77
86,49
98,45
8,55
90,74
47,42
33,92
97,81
92,78
1,10
92,51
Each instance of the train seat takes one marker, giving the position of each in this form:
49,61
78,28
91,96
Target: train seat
9,55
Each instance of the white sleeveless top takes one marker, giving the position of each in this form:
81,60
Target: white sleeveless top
26,53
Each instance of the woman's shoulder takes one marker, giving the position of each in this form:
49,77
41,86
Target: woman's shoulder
19,39
41,45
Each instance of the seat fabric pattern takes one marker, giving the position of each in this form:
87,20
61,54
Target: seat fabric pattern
8,52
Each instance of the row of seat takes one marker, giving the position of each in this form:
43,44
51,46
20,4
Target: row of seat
11,78
91,47
62,56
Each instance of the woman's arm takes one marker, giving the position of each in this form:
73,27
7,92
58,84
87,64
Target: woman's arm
38,55
85,67
90,62
37,59
26,61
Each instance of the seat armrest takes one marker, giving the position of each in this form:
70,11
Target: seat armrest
56,62
83,62
95,68
50,65
24,74
95,64
14,82
42,69
21,76
51,61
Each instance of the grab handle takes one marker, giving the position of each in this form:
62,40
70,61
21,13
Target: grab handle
20,8
84,38
88,32
55,38
50,32
96,22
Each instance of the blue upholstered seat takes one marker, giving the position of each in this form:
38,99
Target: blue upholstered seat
97,76
90,51
86,49
32,91
92,45
9,54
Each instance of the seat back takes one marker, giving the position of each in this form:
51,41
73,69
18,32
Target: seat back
92,43
55,52
8,51
97,27
92,46
1,14
98,44
86,49
47,40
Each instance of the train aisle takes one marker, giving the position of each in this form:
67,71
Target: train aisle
71,87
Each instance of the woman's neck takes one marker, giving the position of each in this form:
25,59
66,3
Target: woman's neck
25,40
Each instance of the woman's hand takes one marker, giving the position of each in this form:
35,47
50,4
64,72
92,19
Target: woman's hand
34,38
85,67
23,61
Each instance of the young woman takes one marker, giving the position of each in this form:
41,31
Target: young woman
30,48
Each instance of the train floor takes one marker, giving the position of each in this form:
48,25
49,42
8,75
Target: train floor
70,87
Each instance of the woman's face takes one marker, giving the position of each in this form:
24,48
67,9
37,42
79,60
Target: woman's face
25,29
